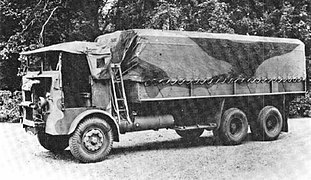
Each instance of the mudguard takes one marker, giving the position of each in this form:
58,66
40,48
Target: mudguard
99,113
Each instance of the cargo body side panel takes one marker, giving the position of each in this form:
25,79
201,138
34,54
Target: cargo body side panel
138,92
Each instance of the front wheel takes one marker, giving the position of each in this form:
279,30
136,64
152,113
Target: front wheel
190,134
53,143
92,140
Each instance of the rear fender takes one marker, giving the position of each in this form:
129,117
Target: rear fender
220,112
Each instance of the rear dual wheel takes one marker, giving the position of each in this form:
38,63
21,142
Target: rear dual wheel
233,127
268,125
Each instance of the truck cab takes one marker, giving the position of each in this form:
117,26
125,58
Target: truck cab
58,91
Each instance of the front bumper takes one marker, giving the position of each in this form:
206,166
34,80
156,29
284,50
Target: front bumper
31,118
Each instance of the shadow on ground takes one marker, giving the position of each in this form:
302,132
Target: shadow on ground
62,155
178,143
168,144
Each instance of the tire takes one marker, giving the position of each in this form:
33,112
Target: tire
268,125
233,127
92,140
190,134
53,143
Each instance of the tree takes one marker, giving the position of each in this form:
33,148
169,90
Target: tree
130,14
29,24
210,16
288,18
165,16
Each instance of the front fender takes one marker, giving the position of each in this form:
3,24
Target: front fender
95,112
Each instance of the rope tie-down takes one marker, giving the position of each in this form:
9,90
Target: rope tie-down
209,81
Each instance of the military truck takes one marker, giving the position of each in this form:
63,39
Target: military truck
85,94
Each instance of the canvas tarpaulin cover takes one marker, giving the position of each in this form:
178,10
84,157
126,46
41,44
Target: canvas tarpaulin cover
148,54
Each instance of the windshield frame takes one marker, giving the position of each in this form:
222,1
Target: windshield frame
40,65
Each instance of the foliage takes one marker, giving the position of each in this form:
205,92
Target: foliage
211,16
9,109
38,23
300,106
166,16
288,18
29,24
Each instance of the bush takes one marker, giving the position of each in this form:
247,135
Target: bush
300,106
9,106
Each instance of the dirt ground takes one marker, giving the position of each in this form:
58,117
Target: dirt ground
163,155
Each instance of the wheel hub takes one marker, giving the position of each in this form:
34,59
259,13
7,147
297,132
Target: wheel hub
271,123
93,140
235,126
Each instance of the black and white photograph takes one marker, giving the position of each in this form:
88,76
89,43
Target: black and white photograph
155,89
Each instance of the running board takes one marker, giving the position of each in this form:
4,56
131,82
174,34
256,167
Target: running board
209,126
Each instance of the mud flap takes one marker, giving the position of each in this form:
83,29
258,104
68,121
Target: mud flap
285,113
285,125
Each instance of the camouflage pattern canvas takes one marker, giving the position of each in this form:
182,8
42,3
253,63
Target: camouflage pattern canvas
179,55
